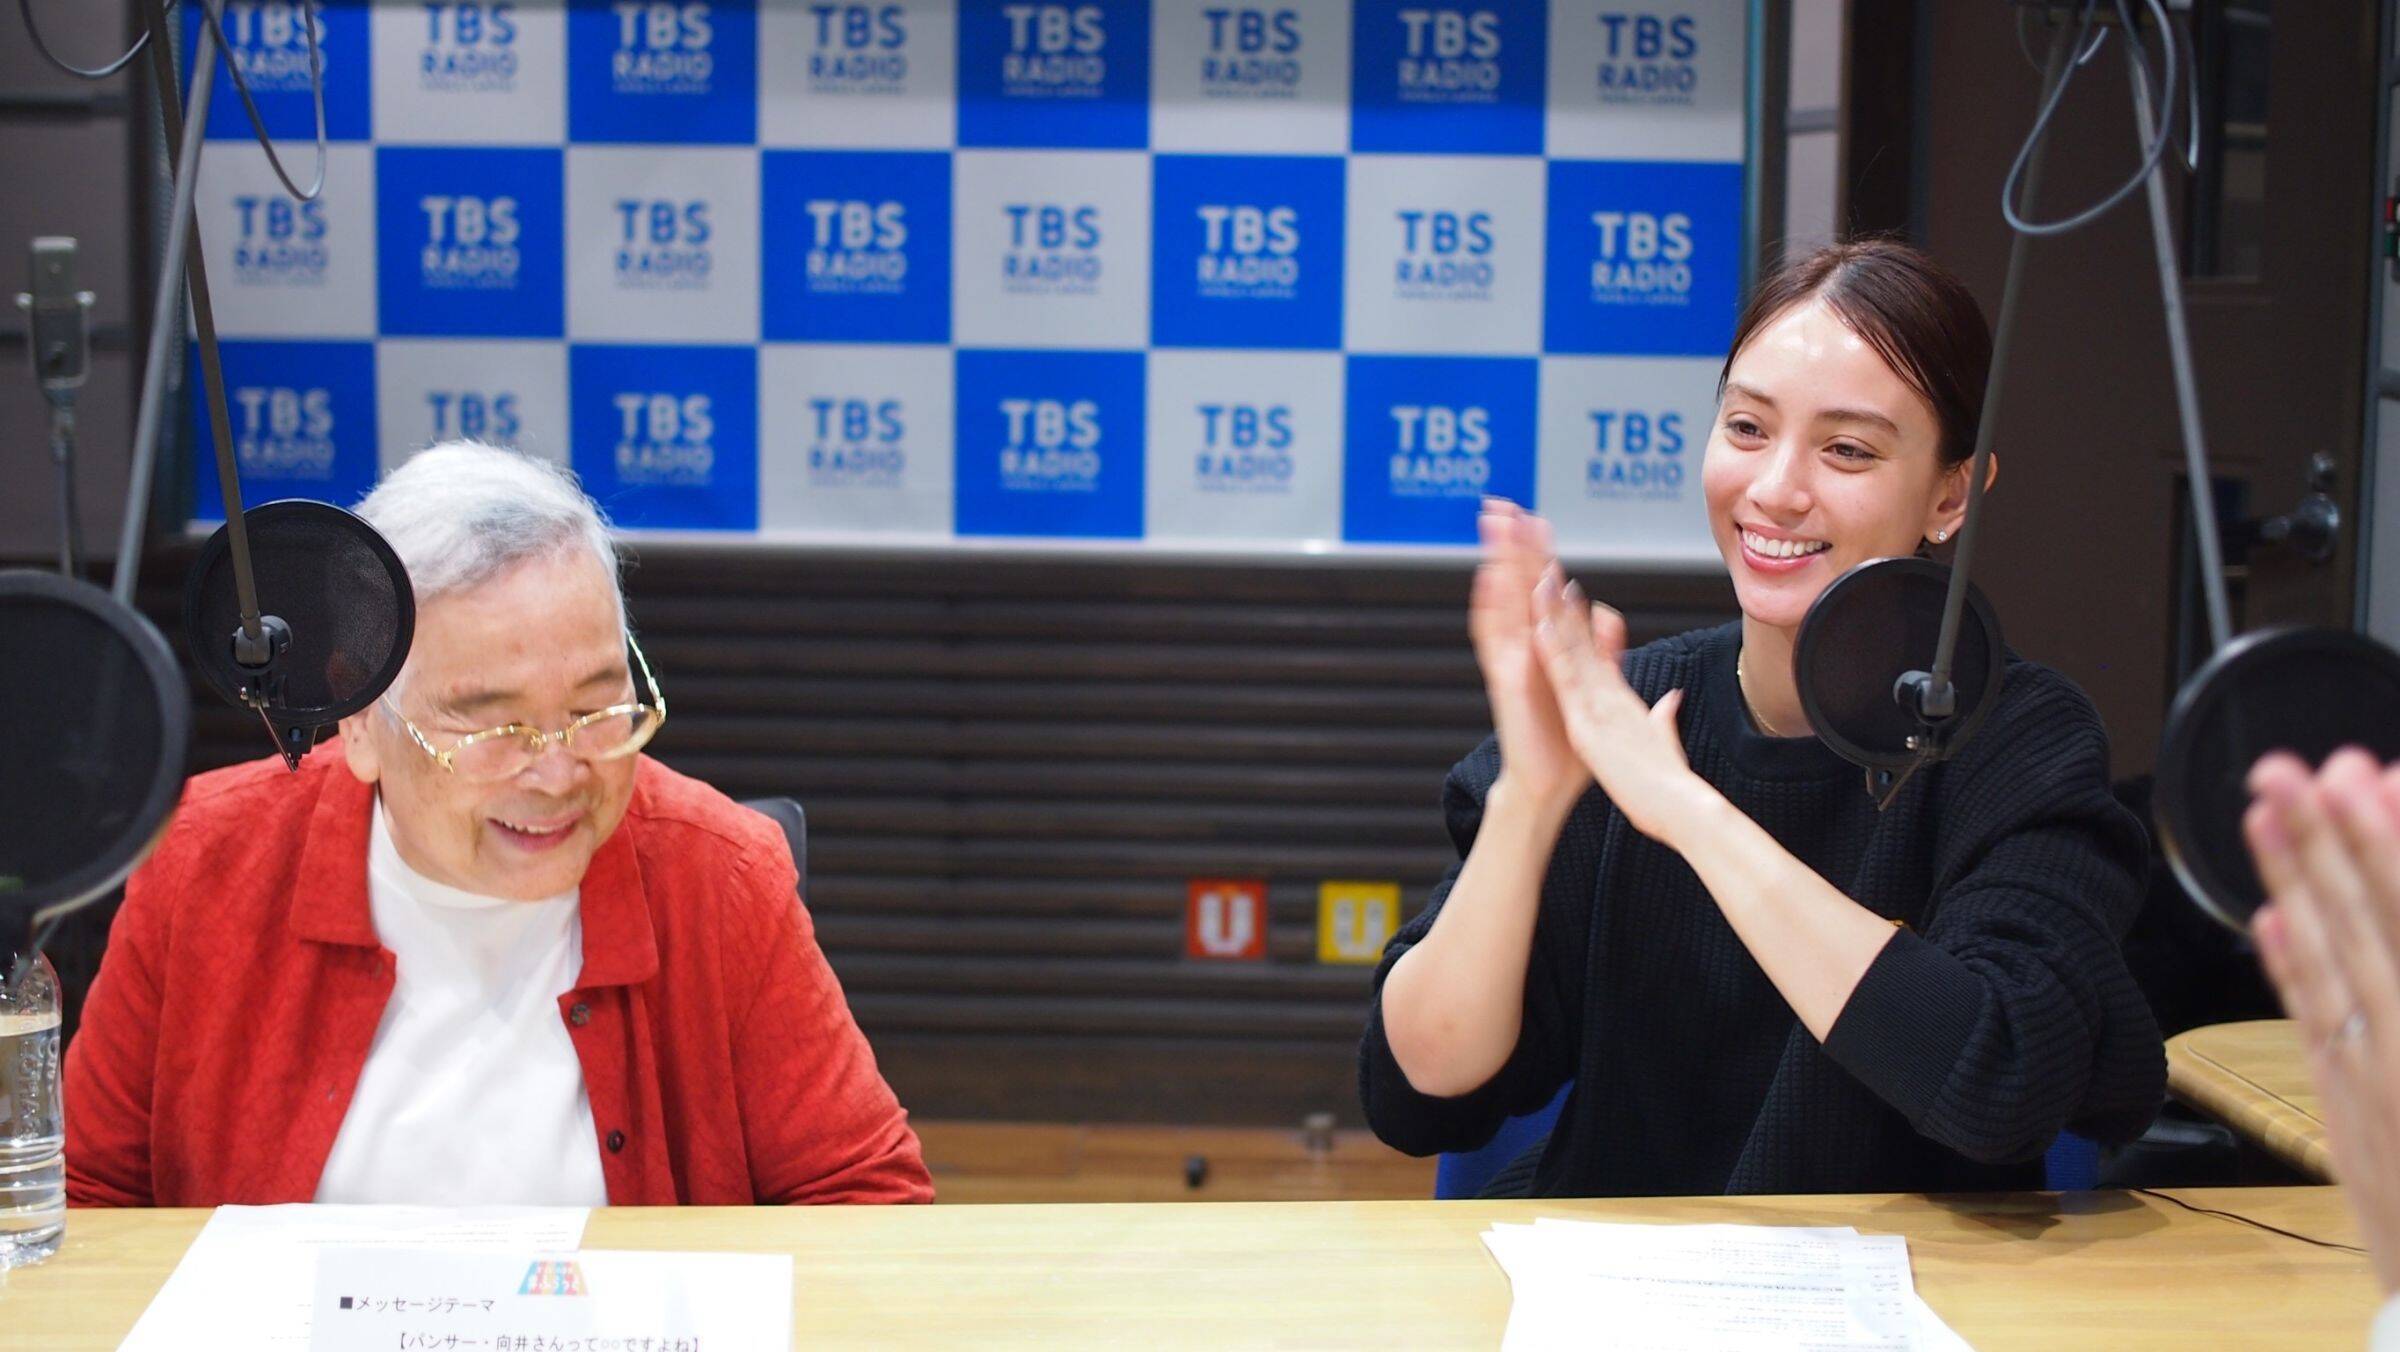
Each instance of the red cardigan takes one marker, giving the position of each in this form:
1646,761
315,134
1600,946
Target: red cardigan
243,985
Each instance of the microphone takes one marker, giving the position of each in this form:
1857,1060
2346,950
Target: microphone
342,616
61,348
62,345
94,741
2307,691
1860,658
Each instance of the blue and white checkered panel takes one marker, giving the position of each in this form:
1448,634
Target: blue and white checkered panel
1237,446
470,75
1169,272
511,392
1251,80
857,441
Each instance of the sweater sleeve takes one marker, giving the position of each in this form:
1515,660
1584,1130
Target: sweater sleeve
1425,1124
2012,1015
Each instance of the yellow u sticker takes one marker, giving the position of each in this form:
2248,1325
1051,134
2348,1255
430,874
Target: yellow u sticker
1355,920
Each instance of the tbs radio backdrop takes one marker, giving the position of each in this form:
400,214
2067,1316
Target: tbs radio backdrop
1171,273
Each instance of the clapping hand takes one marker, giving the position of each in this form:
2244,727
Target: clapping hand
2328,849
1534,751
1632,748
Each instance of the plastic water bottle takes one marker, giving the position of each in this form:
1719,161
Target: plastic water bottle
33,1138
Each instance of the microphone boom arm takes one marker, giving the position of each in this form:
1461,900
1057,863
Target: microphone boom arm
254,644
1932,696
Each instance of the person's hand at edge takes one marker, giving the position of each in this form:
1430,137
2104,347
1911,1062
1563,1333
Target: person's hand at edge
2328,850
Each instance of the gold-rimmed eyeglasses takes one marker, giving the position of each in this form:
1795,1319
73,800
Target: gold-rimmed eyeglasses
507,751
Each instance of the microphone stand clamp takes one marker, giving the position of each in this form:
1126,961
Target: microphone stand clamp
260,661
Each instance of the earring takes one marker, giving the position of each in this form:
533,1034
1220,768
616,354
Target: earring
1940,535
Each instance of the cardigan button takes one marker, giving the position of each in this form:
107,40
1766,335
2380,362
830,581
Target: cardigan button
580,1014
616,1142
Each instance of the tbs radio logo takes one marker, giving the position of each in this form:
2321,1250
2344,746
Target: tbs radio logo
1644,258
1252,53
1449,55
283,432
271,41
855,443
279,242
663,245
470,242
478,415
1054,52
665,439
1634,454
1248,252
1050,446
1649,60
1053,249
857,247
1444,255
1244,448
469,48
1441,450
858,49
662,49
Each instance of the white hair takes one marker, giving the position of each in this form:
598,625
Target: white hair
461,513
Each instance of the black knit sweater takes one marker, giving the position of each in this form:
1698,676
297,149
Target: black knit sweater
2003,1013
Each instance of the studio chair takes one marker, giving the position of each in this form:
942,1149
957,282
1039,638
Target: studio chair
1503,1166
1467,1173
787,814
2071,1164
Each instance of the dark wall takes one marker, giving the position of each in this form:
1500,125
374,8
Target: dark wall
2081,550
67,163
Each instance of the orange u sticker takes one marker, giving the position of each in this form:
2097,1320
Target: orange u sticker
1225,918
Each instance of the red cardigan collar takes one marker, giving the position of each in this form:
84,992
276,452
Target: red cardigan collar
619,946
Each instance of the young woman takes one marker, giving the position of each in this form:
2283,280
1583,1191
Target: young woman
1754,979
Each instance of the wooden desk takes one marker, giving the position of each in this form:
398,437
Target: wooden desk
2077,1270
1128,1162
2253,1077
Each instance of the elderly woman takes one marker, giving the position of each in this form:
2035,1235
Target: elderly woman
480,949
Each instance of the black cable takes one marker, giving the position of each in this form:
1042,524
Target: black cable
42,48
2245,1220
233,65
2151,155
258,124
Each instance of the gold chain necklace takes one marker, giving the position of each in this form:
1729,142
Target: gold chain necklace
1741,680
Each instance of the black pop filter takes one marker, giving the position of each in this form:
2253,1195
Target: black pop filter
2307,691
337,610
95,721
1866,633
